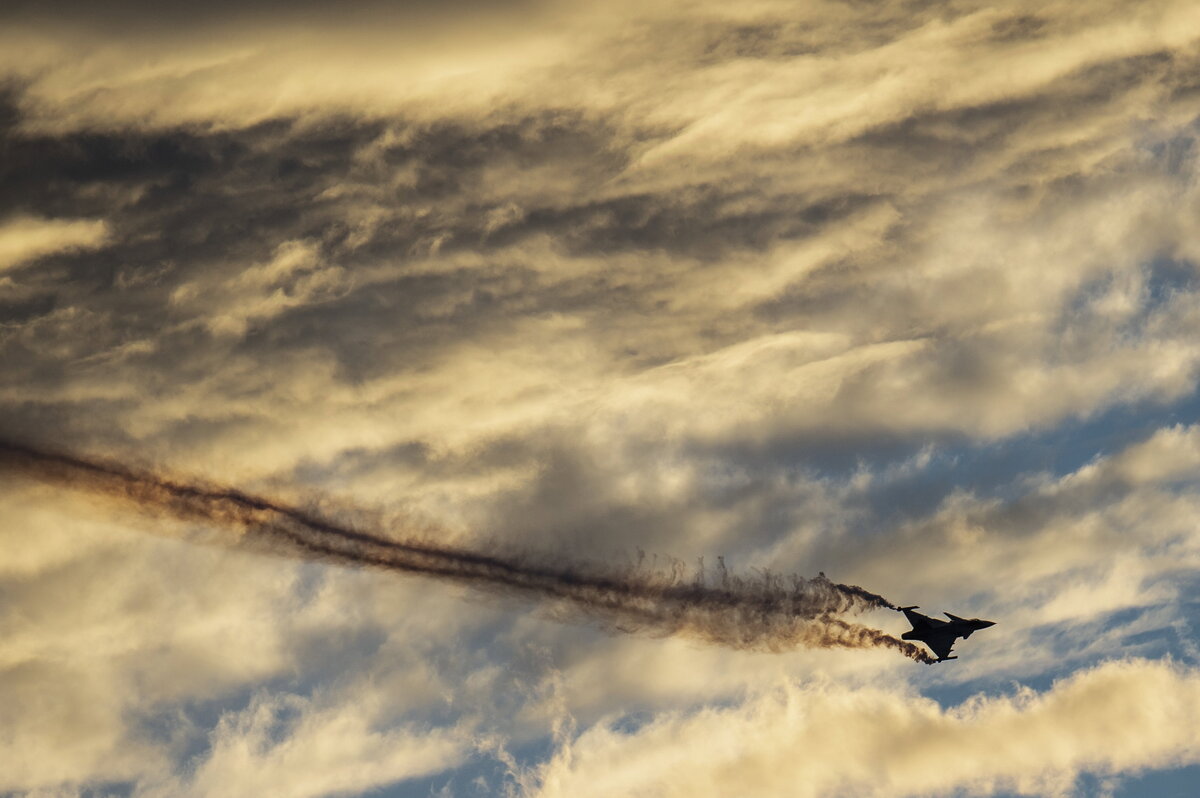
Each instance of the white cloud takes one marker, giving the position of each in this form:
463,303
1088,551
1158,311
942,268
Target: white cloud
114,628
294,277
26,238
824,739
1171,453
295,748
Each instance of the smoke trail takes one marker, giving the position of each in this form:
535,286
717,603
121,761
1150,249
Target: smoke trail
763,612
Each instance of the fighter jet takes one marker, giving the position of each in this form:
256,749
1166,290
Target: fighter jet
940,635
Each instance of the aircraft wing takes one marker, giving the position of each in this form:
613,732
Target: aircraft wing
940,645
919,622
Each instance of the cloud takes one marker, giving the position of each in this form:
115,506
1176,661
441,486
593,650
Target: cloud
27,239
904,292
1171,453
121,651
528,234
294,747
294,277
473,260
821,739
785,79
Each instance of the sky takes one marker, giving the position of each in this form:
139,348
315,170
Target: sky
901,292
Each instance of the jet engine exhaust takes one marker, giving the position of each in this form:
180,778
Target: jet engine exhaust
763,612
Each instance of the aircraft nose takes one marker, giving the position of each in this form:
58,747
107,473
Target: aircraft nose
984,624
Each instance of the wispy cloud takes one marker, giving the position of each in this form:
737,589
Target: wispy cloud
26,239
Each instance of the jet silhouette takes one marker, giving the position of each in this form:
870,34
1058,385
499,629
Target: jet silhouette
940,635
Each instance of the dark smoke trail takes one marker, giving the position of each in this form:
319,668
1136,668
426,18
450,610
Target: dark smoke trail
761,613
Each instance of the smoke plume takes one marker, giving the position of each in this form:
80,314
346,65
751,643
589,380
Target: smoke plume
764,612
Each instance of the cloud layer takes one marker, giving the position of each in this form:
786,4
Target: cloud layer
905,293
825,739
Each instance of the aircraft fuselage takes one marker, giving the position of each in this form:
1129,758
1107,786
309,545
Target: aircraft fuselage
940,635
